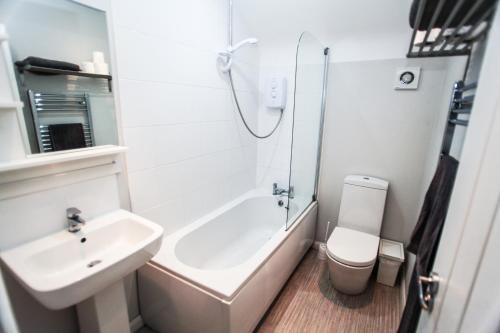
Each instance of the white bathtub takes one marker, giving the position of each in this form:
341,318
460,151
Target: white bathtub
221,273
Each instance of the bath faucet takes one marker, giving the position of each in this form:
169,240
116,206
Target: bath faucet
282,191
75,222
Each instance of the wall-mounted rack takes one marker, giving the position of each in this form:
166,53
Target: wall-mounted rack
462,99
448,27
54,71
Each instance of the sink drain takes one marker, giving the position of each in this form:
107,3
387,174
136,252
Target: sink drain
93,263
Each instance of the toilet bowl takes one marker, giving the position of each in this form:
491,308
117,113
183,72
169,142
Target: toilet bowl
352,247
351,257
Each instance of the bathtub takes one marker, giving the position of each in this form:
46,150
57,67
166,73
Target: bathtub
221,273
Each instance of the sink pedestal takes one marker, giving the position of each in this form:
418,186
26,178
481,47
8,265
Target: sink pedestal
105,312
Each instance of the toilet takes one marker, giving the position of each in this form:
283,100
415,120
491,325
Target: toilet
353,245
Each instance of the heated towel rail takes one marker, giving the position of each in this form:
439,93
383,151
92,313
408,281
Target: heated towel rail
462,99
48,109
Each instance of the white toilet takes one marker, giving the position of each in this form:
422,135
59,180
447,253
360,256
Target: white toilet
353,245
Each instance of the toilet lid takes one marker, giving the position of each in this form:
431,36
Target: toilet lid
353,248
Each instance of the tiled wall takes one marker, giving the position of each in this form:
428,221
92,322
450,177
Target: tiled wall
304,110
273,158
188,150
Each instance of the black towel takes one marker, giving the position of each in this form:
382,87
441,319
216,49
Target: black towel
449,5
425,237
47,63
67,136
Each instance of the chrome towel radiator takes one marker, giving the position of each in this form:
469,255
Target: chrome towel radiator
462,99
51,108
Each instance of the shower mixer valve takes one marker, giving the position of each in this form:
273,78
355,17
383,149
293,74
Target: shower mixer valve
282,192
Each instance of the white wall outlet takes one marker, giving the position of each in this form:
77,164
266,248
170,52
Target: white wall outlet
276,93
407,78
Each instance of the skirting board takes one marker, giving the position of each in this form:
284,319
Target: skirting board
136,324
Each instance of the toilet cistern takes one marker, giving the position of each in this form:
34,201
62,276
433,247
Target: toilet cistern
75,221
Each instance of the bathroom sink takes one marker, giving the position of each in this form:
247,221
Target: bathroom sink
66,268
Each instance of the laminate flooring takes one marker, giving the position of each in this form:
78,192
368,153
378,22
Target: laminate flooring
308,303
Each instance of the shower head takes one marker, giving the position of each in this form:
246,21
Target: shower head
250,41
226,56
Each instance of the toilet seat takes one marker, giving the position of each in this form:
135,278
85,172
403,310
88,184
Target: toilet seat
353,248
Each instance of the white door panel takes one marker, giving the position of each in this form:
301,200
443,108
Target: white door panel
475,235
474,200
482,314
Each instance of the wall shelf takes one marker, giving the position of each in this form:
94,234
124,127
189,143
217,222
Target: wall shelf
54,71
47,159
45,70
44,171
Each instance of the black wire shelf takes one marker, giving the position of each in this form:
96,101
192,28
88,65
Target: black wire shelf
444,28
54,71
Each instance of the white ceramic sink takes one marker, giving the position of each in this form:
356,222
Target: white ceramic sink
66,268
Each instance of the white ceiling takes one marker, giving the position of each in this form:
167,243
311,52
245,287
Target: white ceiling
374,23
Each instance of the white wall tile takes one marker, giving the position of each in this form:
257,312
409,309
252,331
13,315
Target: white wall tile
141,142
170,215
146,103
200,23
186,140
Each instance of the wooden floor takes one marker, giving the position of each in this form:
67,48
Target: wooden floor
308,303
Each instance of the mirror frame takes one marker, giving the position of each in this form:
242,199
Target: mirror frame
105,7
30,173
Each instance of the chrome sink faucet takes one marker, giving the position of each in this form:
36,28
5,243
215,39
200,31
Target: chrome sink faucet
75,221
282,191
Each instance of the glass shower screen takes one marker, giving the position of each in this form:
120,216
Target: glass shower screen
307,122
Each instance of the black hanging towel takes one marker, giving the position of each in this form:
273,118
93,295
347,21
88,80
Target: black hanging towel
48,63
67,136
425,237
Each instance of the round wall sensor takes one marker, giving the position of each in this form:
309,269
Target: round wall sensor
406,77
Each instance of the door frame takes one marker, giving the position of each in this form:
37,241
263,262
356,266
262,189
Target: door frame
474,202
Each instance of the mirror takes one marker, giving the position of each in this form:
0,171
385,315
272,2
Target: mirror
62,62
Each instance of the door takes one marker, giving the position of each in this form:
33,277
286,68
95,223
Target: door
482,312
473,206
